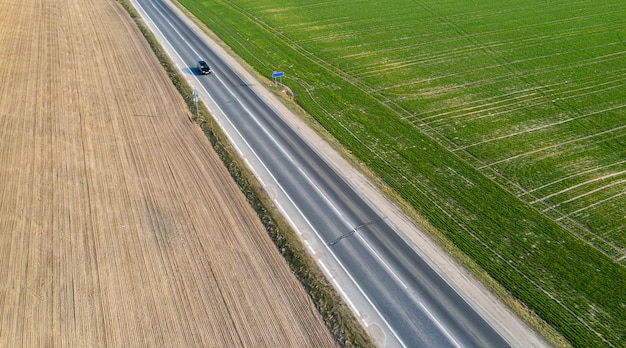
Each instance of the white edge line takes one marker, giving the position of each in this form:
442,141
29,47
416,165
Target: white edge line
327,271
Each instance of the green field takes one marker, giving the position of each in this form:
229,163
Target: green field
503,123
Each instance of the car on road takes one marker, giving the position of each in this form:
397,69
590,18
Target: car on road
203,68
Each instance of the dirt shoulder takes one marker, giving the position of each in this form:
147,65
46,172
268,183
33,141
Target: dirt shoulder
118,224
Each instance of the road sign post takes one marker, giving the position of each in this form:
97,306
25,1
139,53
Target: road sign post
278,74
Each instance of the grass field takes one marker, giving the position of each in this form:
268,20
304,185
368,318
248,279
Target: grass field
501,122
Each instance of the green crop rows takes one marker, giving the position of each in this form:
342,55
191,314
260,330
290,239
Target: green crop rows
501,122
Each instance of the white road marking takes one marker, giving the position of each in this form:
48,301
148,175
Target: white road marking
343,294
445,332
381,261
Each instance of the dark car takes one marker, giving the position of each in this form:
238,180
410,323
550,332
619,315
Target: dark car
203,67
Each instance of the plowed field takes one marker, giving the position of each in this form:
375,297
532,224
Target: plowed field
119,226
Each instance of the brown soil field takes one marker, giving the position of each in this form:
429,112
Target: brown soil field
119,226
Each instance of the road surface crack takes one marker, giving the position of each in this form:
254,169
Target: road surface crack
348,234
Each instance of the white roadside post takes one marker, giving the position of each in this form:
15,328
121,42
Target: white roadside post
195,100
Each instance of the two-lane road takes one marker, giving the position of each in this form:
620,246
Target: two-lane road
416,307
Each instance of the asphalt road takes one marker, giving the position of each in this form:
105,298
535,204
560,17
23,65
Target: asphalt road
417,308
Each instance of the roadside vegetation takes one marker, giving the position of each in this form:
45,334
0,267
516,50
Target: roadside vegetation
501,124
337,316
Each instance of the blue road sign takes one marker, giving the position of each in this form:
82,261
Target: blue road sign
278,74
